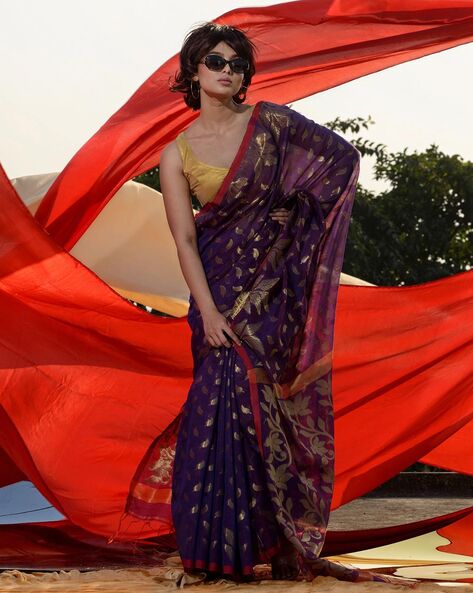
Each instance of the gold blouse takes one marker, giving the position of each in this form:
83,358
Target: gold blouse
204,180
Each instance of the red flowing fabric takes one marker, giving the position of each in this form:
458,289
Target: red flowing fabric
64,545
88,381
303,48
398,345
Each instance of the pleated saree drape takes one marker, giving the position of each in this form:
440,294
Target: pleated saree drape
254,457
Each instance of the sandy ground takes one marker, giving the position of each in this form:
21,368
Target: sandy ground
364,512
157,581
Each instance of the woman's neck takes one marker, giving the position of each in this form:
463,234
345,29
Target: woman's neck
216,117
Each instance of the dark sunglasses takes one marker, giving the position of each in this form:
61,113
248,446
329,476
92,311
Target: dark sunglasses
217,63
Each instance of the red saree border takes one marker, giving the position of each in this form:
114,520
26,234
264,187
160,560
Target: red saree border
236,162
247,569
317,369
216,567
150,494
258,375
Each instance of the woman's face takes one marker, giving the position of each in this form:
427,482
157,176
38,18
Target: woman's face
225,83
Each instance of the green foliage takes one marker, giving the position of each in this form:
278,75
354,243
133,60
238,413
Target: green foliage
421,228
151,179
423,467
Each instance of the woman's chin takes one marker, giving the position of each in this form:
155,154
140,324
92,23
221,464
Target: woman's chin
222,92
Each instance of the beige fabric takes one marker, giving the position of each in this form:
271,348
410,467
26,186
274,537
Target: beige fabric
129,245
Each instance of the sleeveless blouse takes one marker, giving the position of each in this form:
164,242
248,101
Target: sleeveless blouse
204,180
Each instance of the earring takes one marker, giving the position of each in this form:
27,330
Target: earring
243,90
192,90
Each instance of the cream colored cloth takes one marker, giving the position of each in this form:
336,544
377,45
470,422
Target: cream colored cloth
129,245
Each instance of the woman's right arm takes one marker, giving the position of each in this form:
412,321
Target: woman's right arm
180,217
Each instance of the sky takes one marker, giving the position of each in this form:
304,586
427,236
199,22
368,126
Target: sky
67,67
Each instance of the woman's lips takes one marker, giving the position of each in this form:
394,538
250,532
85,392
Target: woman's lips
225,82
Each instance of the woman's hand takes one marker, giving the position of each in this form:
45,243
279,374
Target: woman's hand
280,214
214,325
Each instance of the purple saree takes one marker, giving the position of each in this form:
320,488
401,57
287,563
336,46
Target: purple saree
254,457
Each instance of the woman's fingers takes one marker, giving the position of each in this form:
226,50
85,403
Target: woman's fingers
280,214
218,332
281,220
210,341
233,335
223,339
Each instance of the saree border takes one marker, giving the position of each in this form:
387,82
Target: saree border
236,162
263,556
150,494
226,569
257,375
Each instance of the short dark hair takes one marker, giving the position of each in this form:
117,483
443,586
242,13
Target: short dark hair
197,43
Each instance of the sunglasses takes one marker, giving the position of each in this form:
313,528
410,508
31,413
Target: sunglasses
217,63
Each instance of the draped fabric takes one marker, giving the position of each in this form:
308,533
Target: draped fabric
89,383
270,398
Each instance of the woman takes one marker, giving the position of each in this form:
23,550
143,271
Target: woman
252,468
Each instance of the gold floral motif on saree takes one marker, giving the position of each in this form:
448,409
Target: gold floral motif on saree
162,468
310,526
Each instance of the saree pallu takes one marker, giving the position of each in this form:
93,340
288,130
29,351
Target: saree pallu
251,457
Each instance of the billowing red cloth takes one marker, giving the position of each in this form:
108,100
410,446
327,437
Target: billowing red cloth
303,48
87,381
64,545
397,345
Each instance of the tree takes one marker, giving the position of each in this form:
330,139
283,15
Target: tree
151,179
418,230
421,228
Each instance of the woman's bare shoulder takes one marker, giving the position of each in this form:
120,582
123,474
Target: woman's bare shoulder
170,155
170,148
171,174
